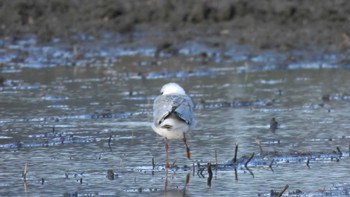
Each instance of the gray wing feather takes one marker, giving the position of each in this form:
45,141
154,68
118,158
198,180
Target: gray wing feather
181,105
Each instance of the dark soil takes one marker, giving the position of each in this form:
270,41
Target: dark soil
264,24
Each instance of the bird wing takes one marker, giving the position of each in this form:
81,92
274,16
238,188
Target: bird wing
180,105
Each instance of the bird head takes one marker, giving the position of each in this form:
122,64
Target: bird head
172,88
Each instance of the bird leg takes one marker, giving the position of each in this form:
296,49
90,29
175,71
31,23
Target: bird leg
187,148
166,152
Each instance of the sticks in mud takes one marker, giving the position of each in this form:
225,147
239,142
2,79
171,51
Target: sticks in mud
110,174
200,170
247,160
283,190
270,166
307,162
339,151
234,160
109,141
279,194
235,156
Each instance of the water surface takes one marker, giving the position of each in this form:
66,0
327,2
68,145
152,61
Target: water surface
73,118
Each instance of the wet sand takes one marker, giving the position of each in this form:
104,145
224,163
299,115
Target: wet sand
263,24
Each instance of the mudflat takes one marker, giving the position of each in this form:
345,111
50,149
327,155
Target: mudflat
264,24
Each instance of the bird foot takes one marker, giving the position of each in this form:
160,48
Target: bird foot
167,165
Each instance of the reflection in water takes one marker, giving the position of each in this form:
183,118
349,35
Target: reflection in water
210,174
175,192
25,187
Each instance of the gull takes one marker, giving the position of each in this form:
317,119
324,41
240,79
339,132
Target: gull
172,115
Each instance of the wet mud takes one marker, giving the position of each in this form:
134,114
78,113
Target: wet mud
275,24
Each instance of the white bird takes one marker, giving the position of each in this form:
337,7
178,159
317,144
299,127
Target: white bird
172,115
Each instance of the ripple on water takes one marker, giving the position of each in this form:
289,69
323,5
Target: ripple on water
54,98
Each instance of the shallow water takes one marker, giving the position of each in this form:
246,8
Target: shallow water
72,119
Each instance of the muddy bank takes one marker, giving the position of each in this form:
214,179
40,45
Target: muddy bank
267,24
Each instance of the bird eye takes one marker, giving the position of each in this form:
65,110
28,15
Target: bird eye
161,92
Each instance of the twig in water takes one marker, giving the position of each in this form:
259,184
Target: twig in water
200,173
193,169
339,151
153,165
200,170
109,141
235,156
283,190
216,162
273,124
110,174
307,162
270,166
250,158
25,170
